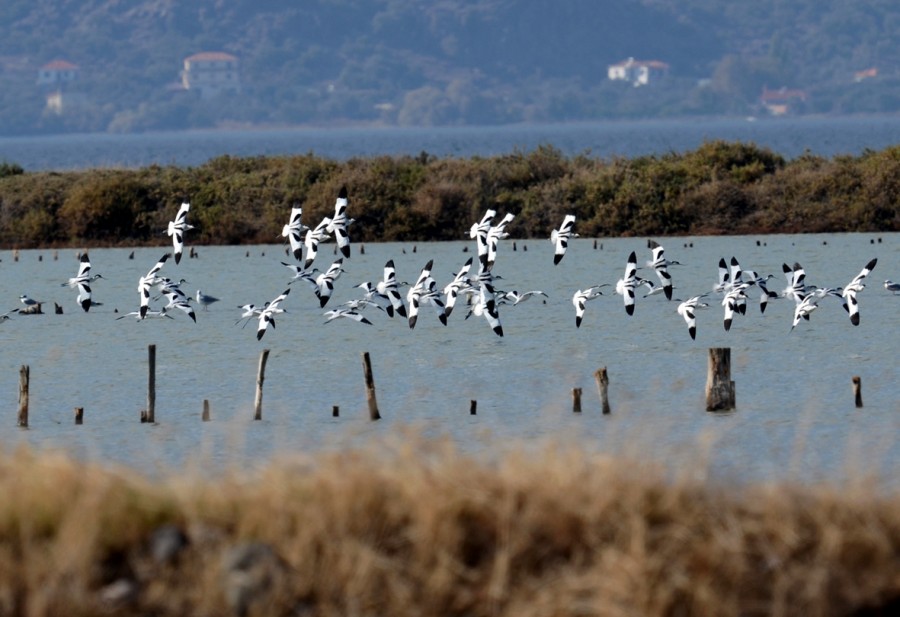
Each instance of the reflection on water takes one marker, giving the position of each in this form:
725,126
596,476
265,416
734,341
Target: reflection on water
795,414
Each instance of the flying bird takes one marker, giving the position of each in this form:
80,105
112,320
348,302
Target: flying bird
338,224
560,237
177,228
625,286
293,231
851,304
267,314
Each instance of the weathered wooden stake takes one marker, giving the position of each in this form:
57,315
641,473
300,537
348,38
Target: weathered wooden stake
205,416
335,411
79,415
602,379
576,400
370,387
260,378
24,374
473,407
150,415
720,395
857,390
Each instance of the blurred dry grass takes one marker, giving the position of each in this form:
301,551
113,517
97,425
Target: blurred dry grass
417,528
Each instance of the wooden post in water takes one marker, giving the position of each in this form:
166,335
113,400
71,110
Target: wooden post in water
370,387
473,407
720,395
576,400
24,374
205,416
857,390
79,415
260,378
150,415
335,411
602,379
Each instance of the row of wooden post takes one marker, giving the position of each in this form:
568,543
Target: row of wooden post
720,390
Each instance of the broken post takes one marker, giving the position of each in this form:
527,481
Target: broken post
335,411
205,416
473,407
79,415
260,377
857,390
719,387
602,379
576,400
24,374
370,387
150,415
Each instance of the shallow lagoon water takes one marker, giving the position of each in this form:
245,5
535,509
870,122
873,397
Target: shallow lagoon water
795,418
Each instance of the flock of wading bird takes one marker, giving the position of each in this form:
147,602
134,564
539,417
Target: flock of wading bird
482,297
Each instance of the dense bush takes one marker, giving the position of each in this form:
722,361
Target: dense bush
719,188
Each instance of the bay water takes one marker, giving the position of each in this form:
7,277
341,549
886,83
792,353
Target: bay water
795,416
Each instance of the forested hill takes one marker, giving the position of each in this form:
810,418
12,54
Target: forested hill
450,62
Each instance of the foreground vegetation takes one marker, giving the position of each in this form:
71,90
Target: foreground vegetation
719,188
419,529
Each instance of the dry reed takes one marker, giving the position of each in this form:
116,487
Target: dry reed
418,529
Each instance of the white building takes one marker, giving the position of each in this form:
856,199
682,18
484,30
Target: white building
211,73
638,72
56,73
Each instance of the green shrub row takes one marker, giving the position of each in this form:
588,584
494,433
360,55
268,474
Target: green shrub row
719,188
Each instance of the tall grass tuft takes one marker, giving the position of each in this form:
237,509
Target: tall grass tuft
417,528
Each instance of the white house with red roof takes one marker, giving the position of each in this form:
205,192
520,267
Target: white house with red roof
638,72
57,72
211,73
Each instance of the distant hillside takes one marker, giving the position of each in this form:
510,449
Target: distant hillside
449,62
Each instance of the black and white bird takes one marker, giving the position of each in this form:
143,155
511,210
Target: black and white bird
248,312
479,231
423,293
660,265
761,283
177,228
580,300
625,285
459,283
891,286
338,224
146,282
83,281
293,231
514,297
324,284
734,300
688,310
389,287
312,240
486,306
804,309
149,314
560,237
205,300
267,314
495,234
179,300
796,282
854,287
346,313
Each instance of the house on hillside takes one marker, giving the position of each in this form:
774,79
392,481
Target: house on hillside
211,73
868,73
638,72
782,101
57,73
